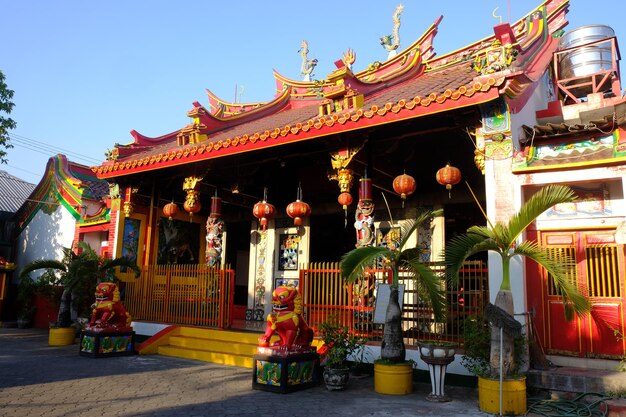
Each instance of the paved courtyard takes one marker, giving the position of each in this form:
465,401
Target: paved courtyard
40,380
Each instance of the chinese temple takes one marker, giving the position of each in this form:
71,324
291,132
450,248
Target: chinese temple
263,191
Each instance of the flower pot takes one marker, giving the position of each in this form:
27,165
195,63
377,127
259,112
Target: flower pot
437,357
513,395
61,336
336,379
393,379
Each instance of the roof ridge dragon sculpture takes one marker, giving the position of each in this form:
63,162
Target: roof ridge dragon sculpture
391,43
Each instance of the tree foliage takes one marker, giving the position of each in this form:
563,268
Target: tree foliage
502,239
355,264
77,274
6,123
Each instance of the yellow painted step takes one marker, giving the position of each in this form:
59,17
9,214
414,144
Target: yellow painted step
207,356
225,346
243,337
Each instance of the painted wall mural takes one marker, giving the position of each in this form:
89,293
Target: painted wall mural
590,202
130,240
288,252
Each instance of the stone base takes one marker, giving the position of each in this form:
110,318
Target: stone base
106,344
284,374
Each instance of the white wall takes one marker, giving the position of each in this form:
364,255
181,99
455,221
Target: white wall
44,237
527,115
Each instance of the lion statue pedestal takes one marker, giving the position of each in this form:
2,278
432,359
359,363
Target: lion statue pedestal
108,332
289,363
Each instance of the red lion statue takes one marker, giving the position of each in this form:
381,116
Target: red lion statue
108,313
286,320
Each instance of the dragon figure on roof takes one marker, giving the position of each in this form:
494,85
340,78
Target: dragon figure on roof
391,43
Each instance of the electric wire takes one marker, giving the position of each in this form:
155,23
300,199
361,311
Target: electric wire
25,139
46,149
50,151
24,170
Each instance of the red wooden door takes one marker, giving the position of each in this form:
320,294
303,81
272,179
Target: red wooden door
597,269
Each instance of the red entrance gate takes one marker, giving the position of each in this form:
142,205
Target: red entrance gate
597,269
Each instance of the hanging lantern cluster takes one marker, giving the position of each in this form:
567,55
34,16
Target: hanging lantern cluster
170,210
449,176
344,178
340,160
298,209
264,211
192,203
404,185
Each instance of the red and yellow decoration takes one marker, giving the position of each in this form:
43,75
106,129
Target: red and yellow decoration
404,185
192,203
109,314
344,176
128,207
298,209
264,211
287,322
449,176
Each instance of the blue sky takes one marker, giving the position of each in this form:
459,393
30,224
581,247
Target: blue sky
87,72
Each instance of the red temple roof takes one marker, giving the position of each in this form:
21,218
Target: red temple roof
415,83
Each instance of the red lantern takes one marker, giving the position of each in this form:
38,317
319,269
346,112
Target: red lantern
297,210
404,185
345,199
170,210
263,211
192,207
449,176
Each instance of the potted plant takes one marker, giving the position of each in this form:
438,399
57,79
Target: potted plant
338,345
77,274
393,374
503,240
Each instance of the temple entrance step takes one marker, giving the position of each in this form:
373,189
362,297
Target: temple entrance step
217,346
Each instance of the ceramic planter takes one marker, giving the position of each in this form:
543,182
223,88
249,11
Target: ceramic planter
437,356
336,379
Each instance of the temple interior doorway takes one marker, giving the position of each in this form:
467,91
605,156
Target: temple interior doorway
331,236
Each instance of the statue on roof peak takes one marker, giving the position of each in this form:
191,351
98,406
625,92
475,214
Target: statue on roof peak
306,70
391,43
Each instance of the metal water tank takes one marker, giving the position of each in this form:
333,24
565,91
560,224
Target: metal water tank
586,60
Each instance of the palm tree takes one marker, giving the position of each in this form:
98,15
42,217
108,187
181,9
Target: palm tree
79,273
502,239
355,263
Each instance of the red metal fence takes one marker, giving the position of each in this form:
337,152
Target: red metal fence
181,294
202,296
326,295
